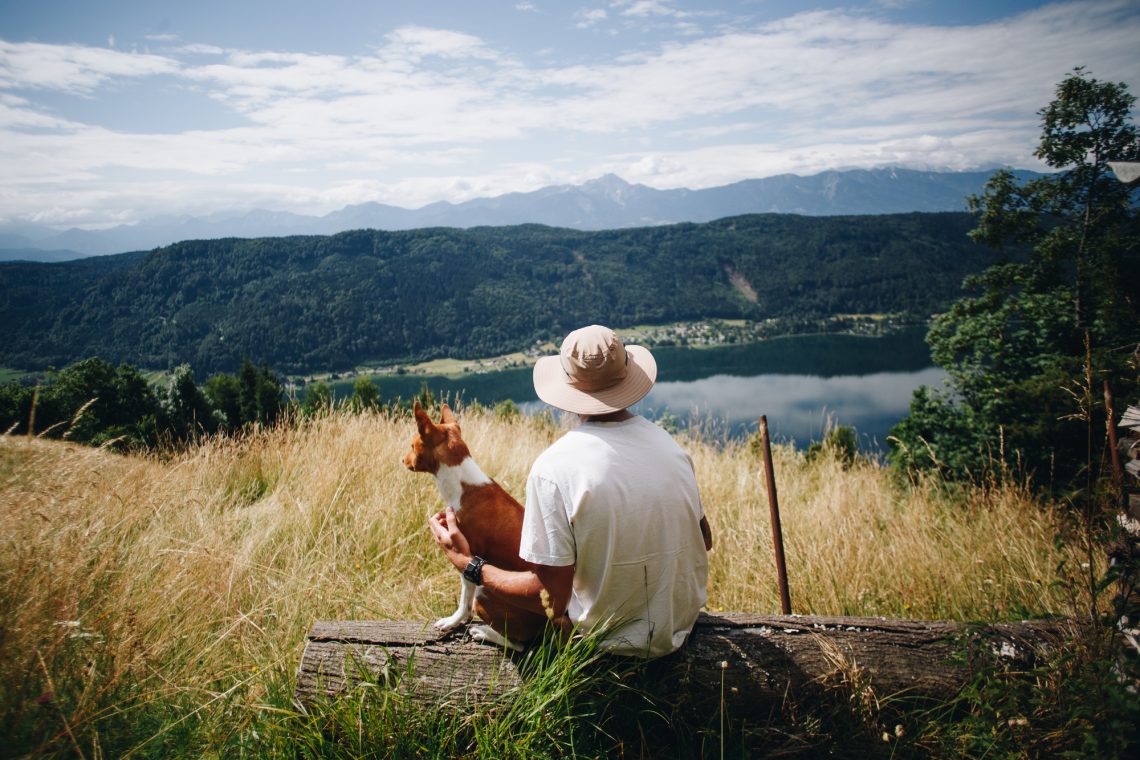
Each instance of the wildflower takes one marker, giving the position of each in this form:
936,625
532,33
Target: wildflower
899,730
724,664
886,737
1018,722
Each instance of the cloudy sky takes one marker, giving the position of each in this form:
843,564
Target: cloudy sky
115,111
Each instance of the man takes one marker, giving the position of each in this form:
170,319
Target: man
613,525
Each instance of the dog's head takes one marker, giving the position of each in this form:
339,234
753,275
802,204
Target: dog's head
435,444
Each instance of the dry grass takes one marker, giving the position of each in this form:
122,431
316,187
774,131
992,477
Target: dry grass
859,544
194,579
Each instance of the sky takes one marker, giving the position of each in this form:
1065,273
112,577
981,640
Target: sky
112,112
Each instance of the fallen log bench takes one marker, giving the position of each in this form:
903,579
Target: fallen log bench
755,663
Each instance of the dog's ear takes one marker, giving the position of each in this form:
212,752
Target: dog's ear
447,417
423,422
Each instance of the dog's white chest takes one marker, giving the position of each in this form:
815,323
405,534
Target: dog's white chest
451,480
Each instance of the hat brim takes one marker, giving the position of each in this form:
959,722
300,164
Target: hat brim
553,386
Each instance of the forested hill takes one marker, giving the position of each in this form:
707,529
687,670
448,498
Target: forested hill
307,303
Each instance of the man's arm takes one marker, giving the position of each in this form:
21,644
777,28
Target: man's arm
520,588
524,588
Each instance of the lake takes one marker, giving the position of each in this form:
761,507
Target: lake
802,383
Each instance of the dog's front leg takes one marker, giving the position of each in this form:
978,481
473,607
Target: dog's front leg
463,612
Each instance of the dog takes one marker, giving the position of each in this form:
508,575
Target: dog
489,517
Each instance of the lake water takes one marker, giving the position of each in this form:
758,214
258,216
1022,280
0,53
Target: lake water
803,384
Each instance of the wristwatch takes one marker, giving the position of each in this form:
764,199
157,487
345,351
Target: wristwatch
474,570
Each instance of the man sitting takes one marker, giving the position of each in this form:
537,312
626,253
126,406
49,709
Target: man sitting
613,525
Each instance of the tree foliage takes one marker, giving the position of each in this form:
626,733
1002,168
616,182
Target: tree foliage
307,304
318,398
188,411
1016,346
91,401
94,402
365,395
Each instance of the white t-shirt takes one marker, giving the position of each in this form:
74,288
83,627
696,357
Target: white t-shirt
619,500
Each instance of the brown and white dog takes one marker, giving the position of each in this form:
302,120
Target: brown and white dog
489,517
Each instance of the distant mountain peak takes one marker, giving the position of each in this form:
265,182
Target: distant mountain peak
609,186
606,181
606,202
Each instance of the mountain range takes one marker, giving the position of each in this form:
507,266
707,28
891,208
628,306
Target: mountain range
607,202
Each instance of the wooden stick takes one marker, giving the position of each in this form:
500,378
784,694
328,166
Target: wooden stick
774,507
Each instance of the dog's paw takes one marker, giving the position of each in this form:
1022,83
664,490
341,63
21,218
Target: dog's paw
485,634
447,624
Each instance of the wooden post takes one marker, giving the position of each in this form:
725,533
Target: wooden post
774,508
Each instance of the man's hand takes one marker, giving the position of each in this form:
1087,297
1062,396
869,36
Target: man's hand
445,530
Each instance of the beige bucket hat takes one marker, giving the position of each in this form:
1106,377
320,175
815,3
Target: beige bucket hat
595,373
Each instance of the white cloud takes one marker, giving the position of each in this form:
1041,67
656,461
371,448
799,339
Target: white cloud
590,17
646,8
200,49
417,42
72,68
722,164
435,113
19,113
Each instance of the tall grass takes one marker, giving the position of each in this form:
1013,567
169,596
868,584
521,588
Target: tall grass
157,605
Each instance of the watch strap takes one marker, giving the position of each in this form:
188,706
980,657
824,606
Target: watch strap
474,570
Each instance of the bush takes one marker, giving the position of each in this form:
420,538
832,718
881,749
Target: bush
841,442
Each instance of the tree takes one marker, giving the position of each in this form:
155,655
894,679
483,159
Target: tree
223,392
261,393
841,441
187,410
318,398
248,381
90,401
15,407
1016,347
365,395
270,395
98,402
426,397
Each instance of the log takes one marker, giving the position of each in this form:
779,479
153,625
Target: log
755,663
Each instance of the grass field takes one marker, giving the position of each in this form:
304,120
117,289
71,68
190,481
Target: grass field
8,375
156,606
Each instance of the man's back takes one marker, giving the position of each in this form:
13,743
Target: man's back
619,500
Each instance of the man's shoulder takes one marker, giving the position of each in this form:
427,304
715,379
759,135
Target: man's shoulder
555,454
651,431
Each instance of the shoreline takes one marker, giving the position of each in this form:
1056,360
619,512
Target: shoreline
696,334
